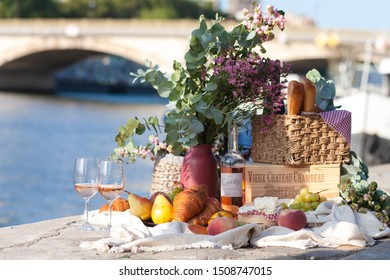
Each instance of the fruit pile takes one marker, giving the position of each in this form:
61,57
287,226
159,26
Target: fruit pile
306,200
203,214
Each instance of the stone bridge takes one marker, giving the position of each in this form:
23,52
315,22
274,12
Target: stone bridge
32,50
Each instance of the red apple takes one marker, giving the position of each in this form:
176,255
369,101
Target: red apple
293,219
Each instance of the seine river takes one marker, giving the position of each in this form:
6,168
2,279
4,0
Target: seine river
40,137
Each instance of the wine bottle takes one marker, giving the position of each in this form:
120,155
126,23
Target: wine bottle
232,173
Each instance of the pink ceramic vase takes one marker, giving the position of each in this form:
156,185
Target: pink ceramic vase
200,167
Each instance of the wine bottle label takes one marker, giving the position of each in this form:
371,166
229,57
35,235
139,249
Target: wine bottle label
231,184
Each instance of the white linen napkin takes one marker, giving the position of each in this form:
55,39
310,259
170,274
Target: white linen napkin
340,226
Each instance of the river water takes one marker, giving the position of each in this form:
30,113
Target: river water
40,137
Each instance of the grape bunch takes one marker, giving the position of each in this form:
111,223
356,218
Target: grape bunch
306,200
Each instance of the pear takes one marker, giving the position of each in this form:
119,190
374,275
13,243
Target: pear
140,206
162,210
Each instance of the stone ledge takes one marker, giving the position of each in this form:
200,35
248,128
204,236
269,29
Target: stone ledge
58,239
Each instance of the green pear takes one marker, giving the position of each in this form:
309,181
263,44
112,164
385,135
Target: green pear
162,210
140,206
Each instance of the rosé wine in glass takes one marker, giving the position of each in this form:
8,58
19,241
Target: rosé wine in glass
85,178
111,183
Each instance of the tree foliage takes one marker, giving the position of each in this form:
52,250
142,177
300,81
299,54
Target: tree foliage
167,9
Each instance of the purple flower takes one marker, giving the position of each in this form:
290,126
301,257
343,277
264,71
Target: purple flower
251,78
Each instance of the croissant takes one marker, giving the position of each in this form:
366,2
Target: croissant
119,204
189,202
212,206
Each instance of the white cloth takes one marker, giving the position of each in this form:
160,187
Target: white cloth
339,226
130,234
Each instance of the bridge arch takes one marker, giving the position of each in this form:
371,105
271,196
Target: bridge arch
31,67
26,47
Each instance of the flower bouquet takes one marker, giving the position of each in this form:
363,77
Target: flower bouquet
225,78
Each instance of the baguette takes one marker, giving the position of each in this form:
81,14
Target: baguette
310,95
295,96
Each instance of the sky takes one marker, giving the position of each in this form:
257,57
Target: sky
372,15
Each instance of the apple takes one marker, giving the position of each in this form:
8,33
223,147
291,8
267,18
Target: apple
292,219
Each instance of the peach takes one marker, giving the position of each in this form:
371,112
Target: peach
221,224
197,229
292,219
221,213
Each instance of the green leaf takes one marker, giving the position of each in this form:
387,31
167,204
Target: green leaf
177,148
130,146
207,38
217,28
123,130
192,142
192,66
251,35
196,44
202,25
196,97
172,137
183,140
174,94
120,141
326,93
140,129
192,57
183,124
323,104
351,169
140,73
153,121
217,115
175,77
177,66
224,41
132,124
331,87
210,87
195,126
165,88
155,149
313,75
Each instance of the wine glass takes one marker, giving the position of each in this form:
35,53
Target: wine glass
85,179
111,183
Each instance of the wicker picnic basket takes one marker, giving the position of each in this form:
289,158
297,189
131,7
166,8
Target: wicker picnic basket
297,140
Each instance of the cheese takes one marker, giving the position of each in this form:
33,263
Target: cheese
266,202
246,208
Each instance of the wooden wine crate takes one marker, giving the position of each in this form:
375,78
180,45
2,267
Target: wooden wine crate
285,181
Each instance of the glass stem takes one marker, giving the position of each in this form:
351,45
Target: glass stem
110,206
86,209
